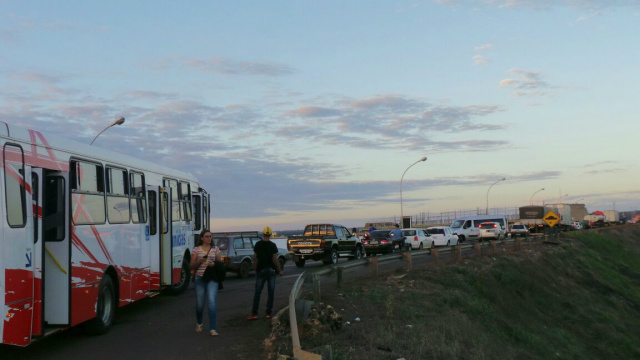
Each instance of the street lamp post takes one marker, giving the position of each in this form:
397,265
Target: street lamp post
118,121
531,198
424,158
486,211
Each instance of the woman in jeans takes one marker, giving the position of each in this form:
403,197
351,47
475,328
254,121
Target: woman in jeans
202,256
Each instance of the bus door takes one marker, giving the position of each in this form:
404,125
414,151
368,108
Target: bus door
200,214
206,211
52,241
166,238
16,249
153,232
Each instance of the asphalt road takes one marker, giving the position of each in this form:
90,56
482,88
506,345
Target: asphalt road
163,327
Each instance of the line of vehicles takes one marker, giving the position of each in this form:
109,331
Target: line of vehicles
328,242
571,216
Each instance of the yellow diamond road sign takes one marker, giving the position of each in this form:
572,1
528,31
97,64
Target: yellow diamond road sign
551,218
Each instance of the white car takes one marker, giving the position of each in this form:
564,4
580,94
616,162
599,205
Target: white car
519,230
491,230
442,235
418,238
576,225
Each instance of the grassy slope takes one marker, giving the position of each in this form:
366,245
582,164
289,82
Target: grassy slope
577,300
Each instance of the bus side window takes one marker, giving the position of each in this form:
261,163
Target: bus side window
175,198
14,185
185,200
87,192
197,213
118,204
137,201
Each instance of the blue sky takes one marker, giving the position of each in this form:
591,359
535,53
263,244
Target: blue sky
292,112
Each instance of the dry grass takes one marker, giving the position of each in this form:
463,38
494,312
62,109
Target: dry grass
577,300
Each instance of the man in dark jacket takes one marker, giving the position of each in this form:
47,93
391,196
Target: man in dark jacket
265,260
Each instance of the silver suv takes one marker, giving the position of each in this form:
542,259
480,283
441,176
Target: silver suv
237,250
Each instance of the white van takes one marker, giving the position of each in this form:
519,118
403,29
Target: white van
466,227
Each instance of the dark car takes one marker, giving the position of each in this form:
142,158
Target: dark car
378,242
237,250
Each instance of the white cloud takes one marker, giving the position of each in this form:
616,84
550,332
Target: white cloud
484,47
526,83
480,60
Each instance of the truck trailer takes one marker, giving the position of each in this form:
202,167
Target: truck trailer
612,217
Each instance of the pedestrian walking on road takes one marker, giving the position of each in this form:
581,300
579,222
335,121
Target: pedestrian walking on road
204,256
265,260
398,239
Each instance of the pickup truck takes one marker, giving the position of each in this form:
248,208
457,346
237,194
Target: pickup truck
326,242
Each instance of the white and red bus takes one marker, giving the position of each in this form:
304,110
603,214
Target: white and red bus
84,230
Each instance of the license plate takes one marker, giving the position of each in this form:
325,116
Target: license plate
306,251
373,242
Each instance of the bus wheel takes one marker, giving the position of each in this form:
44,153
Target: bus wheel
185,278
105,308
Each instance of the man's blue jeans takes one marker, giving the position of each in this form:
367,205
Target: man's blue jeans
267,275
206,292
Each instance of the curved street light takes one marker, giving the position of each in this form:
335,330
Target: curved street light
424,158
531,198
486,211
118,121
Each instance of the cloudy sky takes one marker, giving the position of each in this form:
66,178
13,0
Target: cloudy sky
292,112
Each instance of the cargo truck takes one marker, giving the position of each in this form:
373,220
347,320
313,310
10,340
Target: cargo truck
568,214
612,217
595,219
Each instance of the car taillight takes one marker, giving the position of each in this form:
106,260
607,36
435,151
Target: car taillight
415,238
365,242
385,241
494,225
